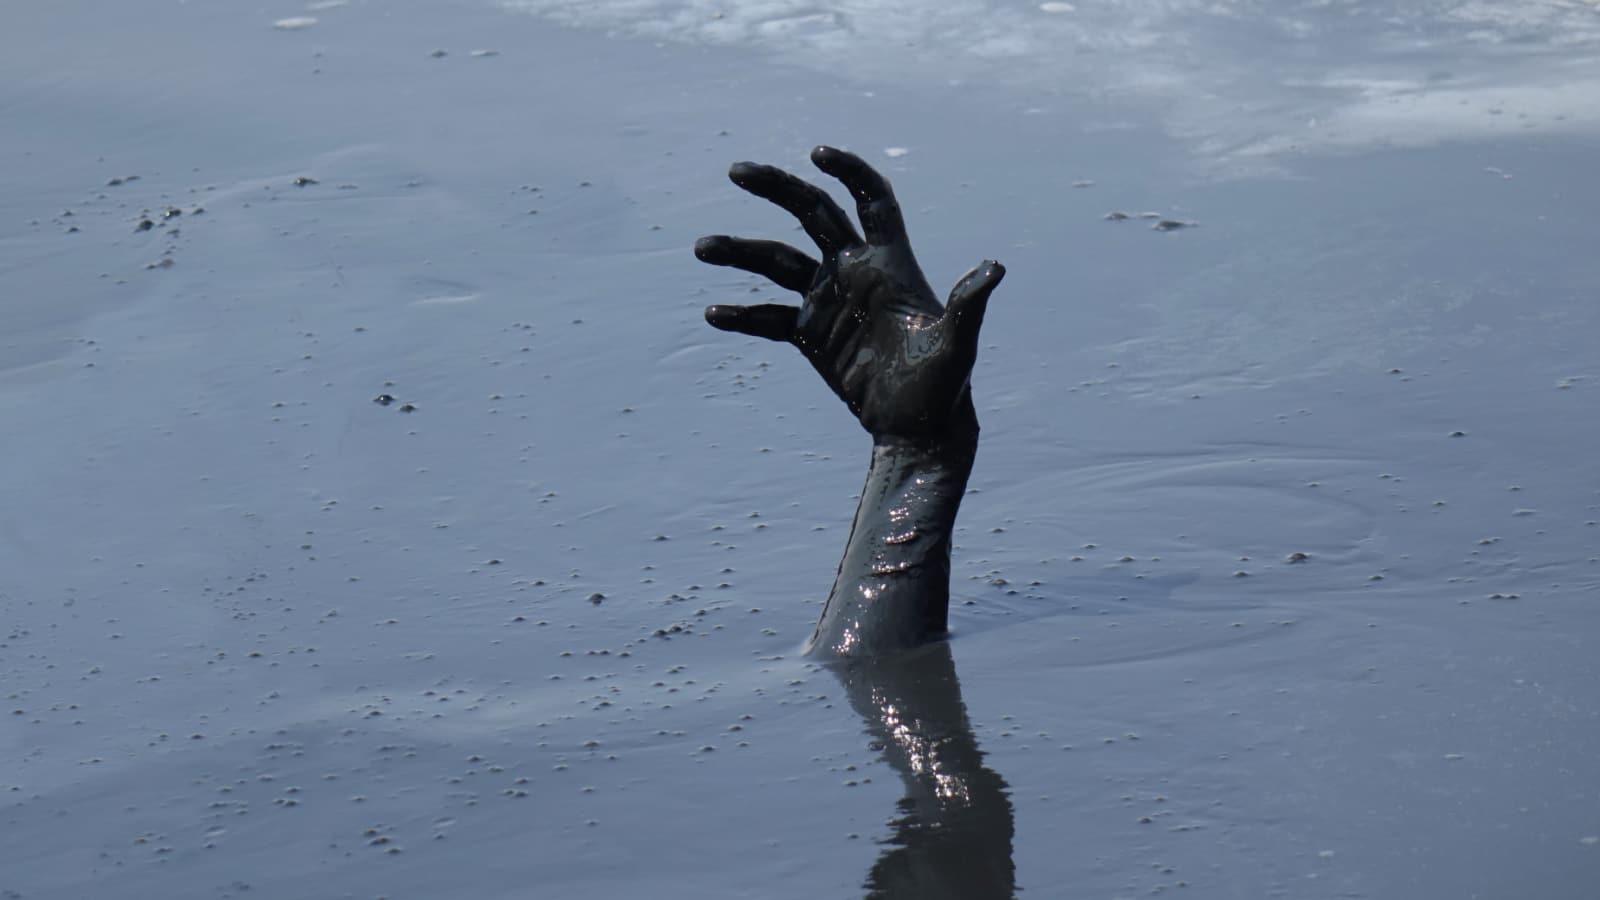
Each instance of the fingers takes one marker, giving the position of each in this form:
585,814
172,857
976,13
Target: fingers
875,203
818,214
772,321
968,301
783,264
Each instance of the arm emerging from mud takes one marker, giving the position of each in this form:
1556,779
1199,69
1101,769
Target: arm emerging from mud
872,328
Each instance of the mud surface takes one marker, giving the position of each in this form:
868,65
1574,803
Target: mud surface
1281,573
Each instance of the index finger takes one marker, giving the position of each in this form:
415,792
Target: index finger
818,214
875,203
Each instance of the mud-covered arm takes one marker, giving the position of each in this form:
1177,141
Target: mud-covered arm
901,361
892,589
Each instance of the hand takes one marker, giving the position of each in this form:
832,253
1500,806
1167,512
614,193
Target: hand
869,323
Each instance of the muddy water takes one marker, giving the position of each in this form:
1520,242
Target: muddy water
1278,577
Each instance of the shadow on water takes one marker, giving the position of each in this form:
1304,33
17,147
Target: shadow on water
952,834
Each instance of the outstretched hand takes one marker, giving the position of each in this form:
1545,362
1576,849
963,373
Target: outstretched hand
869,322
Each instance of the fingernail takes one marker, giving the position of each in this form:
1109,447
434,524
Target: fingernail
823,156
718,314
708,248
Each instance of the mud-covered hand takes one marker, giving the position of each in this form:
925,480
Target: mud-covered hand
869,322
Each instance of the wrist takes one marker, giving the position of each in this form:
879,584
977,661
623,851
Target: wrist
952,437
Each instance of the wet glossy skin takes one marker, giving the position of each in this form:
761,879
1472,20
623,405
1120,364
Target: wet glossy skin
872,328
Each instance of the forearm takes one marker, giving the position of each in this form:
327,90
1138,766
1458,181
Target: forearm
892,589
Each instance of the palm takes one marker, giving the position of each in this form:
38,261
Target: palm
869,322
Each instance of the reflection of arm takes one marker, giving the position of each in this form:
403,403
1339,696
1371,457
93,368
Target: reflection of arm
953,835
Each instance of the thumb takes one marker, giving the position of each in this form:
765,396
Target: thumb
969,299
